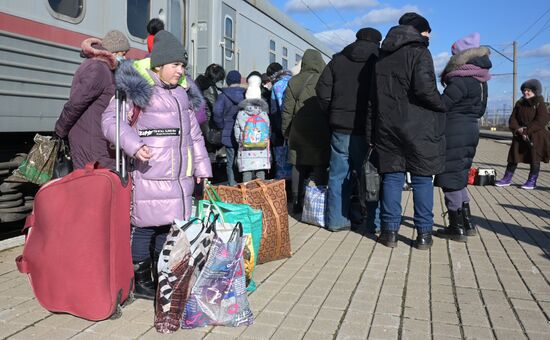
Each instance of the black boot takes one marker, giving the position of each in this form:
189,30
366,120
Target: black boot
469,228
423,241
145,289
388,238
455,230
154,270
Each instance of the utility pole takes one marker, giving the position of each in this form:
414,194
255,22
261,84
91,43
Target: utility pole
515,76
515,70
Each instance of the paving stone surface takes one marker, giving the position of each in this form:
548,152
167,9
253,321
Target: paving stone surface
346,286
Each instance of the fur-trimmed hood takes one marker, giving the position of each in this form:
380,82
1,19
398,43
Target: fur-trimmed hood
196,99
91,48
533,101
254,102
137,81
479,55
279,75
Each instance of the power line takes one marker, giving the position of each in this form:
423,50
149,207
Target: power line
324,23
337,12
533,24
544,27
527,30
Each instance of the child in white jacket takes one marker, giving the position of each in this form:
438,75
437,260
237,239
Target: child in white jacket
252,131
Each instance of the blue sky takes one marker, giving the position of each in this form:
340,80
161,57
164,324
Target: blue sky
499,23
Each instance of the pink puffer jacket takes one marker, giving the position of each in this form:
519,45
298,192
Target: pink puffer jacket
163,186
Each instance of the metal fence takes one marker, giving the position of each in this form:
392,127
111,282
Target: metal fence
497,120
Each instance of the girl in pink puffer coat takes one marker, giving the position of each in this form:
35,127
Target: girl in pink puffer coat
167,145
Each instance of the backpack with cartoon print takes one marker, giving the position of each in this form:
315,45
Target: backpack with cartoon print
256,133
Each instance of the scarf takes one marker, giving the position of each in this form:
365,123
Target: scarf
469,70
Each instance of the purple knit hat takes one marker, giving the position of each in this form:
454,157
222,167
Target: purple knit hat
469,41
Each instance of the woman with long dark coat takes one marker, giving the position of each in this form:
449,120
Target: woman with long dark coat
465,79
531,142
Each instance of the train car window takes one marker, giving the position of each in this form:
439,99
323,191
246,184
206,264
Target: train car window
298,58
285,58
228,38
67,9
137,14
272,54
284,64
175,19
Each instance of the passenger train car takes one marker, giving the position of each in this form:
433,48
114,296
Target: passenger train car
40,44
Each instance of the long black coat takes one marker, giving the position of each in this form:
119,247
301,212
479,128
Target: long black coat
344,84
466,101
409,122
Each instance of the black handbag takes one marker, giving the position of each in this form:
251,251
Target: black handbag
63,164
214,136
370,180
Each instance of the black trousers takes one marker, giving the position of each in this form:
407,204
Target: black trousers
145,238
533,170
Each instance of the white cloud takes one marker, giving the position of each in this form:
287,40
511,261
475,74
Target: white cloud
384,15
300,5
541,73
543,51
440,61
336,39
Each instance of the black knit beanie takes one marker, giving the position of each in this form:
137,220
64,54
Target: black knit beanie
167,49
369,34
415,20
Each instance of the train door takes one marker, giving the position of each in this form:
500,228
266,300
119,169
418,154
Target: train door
228,33
176,20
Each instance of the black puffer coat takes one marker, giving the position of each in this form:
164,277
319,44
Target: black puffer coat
344,86
466,101
210,93
409,121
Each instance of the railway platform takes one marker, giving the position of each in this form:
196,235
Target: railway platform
346,286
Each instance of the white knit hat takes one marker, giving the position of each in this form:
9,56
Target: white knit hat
254,91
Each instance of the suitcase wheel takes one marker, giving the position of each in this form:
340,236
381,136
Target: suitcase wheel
118,309
131,297
117,314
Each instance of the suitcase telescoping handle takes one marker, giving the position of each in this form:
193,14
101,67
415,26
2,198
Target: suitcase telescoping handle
120,108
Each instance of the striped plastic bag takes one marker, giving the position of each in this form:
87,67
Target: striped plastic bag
315,205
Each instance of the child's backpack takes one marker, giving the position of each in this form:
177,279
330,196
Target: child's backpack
256,133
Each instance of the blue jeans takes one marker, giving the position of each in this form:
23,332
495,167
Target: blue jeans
347,153
230,165
423,199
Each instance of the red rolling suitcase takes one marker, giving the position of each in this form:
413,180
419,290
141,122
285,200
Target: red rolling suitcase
77,249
